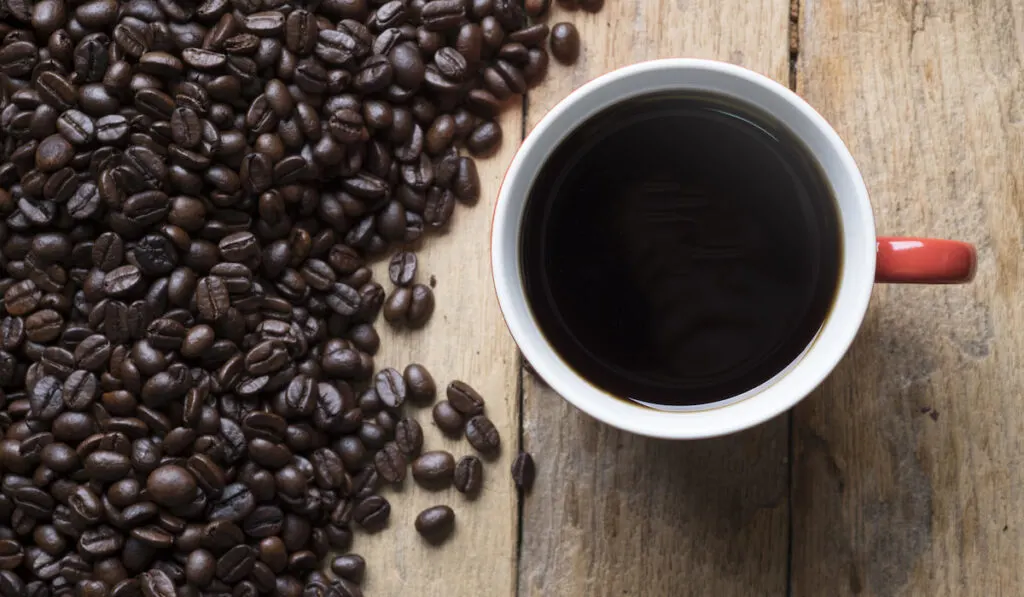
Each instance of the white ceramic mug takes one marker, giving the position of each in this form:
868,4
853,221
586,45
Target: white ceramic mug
866,259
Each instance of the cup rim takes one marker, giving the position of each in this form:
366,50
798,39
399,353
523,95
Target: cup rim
770,398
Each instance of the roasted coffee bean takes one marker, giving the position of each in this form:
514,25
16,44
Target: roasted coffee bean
156,583
565,43
103,465
349,567
402,269
483,435
434,469
464,398
447,419
300,32
171,486
450,62
372,513
391,463
435,524
420,385
200,568
485,139
443,15
390,386
468,477
466,184
523,471
421,306
409,437
343,299
235,503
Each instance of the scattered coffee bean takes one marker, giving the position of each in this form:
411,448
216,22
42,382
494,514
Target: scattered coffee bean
402,269
409,437
565,43
523,471
419,384
469,475
483,435
435,524
350,567
447,419
391,463
434,469
465,399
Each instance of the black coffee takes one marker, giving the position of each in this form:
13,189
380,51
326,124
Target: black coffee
680,249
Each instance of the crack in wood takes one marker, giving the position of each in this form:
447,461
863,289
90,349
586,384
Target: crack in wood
794,40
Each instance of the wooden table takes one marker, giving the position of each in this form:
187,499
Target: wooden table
901,476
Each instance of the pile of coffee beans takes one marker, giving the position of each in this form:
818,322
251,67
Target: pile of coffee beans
190,192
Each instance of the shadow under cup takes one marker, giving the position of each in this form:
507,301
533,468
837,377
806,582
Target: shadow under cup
680,248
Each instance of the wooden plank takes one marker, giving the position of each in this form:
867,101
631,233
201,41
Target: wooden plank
465,339
615,514
908,463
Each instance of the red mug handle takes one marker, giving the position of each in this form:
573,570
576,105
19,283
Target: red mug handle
924,261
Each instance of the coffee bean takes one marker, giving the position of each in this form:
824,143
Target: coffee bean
523,471
434,469
421,306
76,127
235,503
420,385
390,386
171,486
208,474
483,435
18,58
156,583
565,43
531,37
343,299
467,181
469,475
212,298
372,513
103,465
53,153
390,463
236,564
443,15
436,523
100,542
447,419
409,437
465,399
349,567
200,568
485,139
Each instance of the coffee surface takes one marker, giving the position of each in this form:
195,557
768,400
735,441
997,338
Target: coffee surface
680,250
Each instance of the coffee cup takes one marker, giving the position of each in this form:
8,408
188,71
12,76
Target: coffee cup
843,262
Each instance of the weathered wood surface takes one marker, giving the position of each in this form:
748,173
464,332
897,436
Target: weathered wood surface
614,514
908,464
906,472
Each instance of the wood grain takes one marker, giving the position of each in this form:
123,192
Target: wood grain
615,514
466,339
908,463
